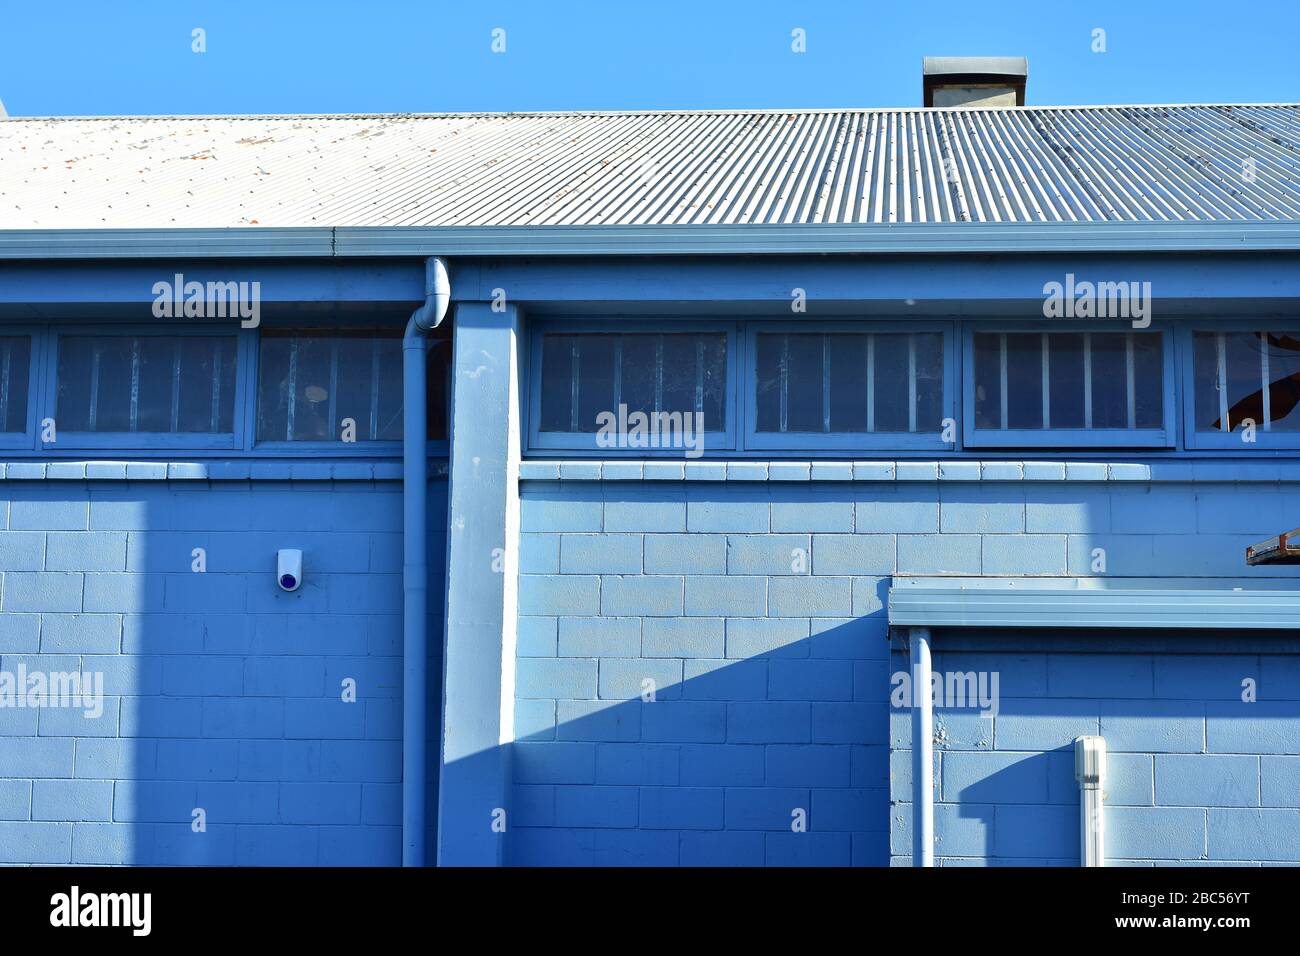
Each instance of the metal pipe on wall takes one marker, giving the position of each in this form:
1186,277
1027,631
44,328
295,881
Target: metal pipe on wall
922,749
415,563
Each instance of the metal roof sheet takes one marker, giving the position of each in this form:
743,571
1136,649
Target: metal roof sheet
1140,164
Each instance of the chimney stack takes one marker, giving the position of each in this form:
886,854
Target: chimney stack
974,80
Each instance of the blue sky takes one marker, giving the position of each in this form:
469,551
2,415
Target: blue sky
89,57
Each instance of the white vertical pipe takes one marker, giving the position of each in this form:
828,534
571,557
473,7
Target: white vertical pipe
1090,772
922,750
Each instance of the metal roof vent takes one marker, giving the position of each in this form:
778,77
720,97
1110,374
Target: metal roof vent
974,80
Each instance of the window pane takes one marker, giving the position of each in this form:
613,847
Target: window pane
557,379
153,384
586,374
1205,374
1078,365
1109,380
929,381
715,382
848,382
1244,374
1284,381
1148,373
1065,380
323,384
988,381
15,372
1025,381
891,385
769,382
804,404
1255,366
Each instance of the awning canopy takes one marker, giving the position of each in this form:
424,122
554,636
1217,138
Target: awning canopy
1090,603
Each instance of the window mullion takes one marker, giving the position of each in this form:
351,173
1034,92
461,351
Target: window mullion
175,418
699,376
826,383
871,382
618,372
1087,380
785,383
1130,379
133,415
92,416
1221,358
1264,382
1002,371
4,386
333,407
215,413
374,388
575,358
1047,388
291,412
911,381
659,373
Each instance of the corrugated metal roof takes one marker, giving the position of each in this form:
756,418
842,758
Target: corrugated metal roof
1025,165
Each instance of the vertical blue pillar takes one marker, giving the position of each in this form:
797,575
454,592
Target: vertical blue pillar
482,567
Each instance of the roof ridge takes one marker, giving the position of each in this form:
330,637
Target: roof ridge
727,111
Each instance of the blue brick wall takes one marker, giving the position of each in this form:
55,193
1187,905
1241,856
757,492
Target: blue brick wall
756,612
222,693
1196,774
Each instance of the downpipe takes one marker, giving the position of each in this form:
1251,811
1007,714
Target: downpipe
415,563
922,749
1090,772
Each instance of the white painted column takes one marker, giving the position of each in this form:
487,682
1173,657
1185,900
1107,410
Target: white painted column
482,571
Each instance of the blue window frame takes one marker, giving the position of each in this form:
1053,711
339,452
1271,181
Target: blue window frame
1073,386
848,385
122,387
18,366
590,381
339,390
1241,385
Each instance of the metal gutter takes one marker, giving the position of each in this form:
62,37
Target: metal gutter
1086,603
720,239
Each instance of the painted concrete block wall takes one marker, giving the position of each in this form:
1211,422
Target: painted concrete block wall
1196,774
756,612
222,693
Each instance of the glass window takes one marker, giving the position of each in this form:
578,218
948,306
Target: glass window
586,374
849,382
164,384
1038,381
1244,378
15,374
343,384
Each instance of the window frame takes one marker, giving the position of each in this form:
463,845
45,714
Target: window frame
196,441
714,441
1196,440
1164,437
283,448
848,441
26,439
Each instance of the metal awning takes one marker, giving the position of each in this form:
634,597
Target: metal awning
1283,549
1090,603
